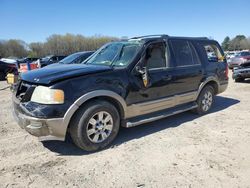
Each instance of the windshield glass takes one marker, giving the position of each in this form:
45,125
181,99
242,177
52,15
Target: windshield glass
69,59
118,54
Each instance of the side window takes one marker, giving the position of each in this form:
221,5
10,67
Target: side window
184,53
156,56
53,59
80,59
195,56
213,53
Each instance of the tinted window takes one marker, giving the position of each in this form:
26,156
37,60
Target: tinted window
53,58
195,56
70,58
183,53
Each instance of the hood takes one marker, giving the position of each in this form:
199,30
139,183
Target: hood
48,75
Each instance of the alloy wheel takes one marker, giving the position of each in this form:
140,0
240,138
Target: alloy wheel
207,101
99,127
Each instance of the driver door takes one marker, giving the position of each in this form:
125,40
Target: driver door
157,93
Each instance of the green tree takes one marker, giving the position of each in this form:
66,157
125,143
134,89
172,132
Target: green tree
13,48
225,44
237,42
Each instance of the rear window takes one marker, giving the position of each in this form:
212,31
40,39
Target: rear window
213,53
184,53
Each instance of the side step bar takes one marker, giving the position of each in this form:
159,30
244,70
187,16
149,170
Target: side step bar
159,115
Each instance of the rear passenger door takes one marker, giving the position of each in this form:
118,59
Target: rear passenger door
188,68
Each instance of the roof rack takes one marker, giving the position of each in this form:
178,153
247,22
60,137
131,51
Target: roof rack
165,36
148,36
197,38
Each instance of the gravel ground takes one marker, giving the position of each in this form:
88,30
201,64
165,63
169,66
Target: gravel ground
185,150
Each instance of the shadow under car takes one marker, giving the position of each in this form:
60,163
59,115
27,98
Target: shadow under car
127,134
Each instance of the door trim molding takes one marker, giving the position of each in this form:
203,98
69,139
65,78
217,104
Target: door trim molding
159,104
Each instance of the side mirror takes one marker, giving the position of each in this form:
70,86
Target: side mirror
140,70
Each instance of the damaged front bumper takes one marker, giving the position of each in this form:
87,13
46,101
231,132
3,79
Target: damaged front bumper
45,129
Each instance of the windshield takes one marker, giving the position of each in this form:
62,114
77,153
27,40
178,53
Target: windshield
69,59
118,54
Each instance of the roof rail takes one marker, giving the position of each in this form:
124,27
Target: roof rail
201,38
147,36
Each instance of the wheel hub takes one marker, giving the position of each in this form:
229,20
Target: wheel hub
99,127
207,101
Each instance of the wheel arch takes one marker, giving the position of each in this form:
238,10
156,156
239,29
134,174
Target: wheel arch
212,81
107,95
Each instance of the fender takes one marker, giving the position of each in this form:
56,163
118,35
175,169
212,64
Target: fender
84,98
208,79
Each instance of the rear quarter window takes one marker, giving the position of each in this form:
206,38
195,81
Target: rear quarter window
213,53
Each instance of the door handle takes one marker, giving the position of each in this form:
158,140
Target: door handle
167,78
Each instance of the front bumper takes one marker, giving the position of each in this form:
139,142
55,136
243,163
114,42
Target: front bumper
45,129
243,74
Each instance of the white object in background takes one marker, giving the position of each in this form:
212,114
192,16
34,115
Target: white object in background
8,60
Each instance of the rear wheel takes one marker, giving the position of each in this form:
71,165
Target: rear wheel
205,100
95,125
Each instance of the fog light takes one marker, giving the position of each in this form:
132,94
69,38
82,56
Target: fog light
35,125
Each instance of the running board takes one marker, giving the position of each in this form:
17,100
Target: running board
159,115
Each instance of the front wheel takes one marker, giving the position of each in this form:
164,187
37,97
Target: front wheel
205,100
95,125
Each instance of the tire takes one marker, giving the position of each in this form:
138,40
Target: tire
239,79
2,76
86,129
205,100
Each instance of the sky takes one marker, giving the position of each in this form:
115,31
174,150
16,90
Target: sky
36,20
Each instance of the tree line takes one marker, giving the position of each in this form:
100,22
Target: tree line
239,42
55,44
69,43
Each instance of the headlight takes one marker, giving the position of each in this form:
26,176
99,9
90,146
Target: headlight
45,95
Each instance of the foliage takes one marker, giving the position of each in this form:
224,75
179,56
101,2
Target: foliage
69,43
54,45
13,48
240,42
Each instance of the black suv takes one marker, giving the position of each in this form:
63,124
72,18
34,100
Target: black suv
124,83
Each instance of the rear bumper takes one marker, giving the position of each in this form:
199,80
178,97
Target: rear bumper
222,87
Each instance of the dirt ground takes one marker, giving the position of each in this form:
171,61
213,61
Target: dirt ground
185,150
